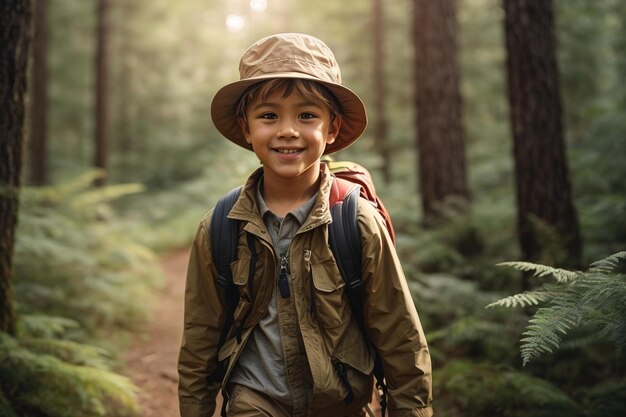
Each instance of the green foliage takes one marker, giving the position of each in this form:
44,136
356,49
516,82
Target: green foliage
595,298
561,275
73,258
606,399
599,184
445,297
166,219
6,410
68,351
43,385
469,389
457,325
41,325
77,275
522,300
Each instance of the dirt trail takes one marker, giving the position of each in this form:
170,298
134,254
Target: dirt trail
151,360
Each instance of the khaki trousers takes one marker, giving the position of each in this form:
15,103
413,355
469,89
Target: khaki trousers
246,402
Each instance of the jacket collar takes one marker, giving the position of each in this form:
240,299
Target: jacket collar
246,208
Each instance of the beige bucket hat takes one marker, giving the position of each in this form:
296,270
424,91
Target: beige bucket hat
289,55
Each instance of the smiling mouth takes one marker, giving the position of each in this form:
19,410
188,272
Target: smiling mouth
288,151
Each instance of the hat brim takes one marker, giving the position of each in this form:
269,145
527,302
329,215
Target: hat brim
223,110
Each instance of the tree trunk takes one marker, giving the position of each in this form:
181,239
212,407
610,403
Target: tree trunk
544,196
39,96
440,134
14,30
101,93
380,93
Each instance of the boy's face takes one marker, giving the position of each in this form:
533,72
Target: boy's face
289,134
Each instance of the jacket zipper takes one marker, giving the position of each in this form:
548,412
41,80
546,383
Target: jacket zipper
283,283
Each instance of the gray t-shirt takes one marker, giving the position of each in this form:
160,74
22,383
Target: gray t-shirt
261,365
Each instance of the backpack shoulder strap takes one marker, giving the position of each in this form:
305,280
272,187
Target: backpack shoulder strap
343,232
344,239
224,234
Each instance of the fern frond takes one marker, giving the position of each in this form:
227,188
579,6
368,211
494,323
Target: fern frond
79,183
480,388
561,275
69,351
542,334
468,329
521,300
40,325
6,410
104,194
45,385
608,264
595,299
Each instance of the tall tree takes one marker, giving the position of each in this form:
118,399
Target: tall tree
542,176
440,133
101,92
14,29
38,146
380,118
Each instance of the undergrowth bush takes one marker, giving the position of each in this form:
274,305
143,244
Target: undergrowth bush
452,312
34,383
595,299
79,277
167,219
73,258
469,389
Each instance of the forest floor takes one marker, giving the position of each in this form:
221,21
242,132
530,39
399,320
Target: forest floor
152,355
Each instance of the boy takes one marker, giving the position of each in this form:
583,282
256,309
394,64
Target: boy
295,348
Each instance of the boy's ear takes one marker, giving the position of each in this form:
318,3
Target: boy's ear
244,128
333,130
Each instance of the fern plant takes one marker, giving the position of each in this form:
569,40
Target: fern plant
55,378
471,389
73,257
595,298
77,277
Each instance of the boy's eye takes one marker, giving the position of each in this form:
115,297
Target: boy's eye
270,116
307,116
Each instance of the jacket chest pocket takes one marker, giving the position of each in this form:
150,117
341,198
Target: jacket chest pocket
327,299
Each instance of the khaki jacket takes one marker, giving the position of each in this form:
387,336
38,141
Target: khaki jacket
328,335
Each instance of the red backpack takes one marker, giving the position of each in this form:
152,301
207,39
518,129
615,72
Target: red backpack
353,173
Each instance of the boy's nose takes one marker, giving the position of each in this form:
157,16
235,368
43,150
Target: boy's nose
287,129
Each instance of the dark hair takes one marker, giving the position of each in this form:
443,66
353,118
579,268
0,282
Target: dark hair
307,88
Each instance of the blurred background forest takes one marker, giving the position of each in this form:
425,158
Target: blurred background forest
497,133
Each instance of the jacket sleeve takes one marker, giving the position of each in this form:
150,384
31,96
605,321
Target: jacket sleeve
392,321
204,315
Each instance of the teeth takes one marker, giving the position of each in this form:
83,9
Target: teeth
288,150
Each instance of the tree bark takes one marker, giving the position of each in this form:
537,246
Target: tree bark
14,38
440,133
39,96
542,175
101,93
380,92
